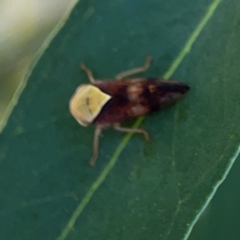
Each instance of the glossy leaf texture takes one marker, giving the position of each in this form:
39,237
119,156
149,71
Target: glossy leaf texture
137,190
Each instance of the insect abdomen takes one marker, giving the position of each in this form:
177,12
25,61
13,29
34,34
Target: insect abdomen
166,94
138,97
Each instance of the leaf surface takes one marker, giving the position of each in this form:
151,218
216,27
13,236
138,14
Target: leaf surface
137,190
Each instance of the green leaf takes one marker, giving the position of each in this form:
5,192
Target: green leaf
224,206
137,190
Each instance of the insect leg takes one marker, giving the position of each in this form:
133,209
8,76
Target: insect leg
135,70
88,72
94,157
118,127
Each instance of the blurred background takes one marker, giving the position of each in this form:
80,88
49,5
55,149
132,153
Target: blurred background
24,24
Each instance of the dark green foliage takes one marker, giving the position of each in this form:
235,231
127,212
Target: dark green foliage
154,190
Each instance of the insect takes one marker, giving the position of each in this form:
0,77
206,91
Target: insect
108,103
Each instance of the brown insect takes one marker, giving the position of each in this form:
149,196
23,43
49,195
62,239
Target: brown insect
107,103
